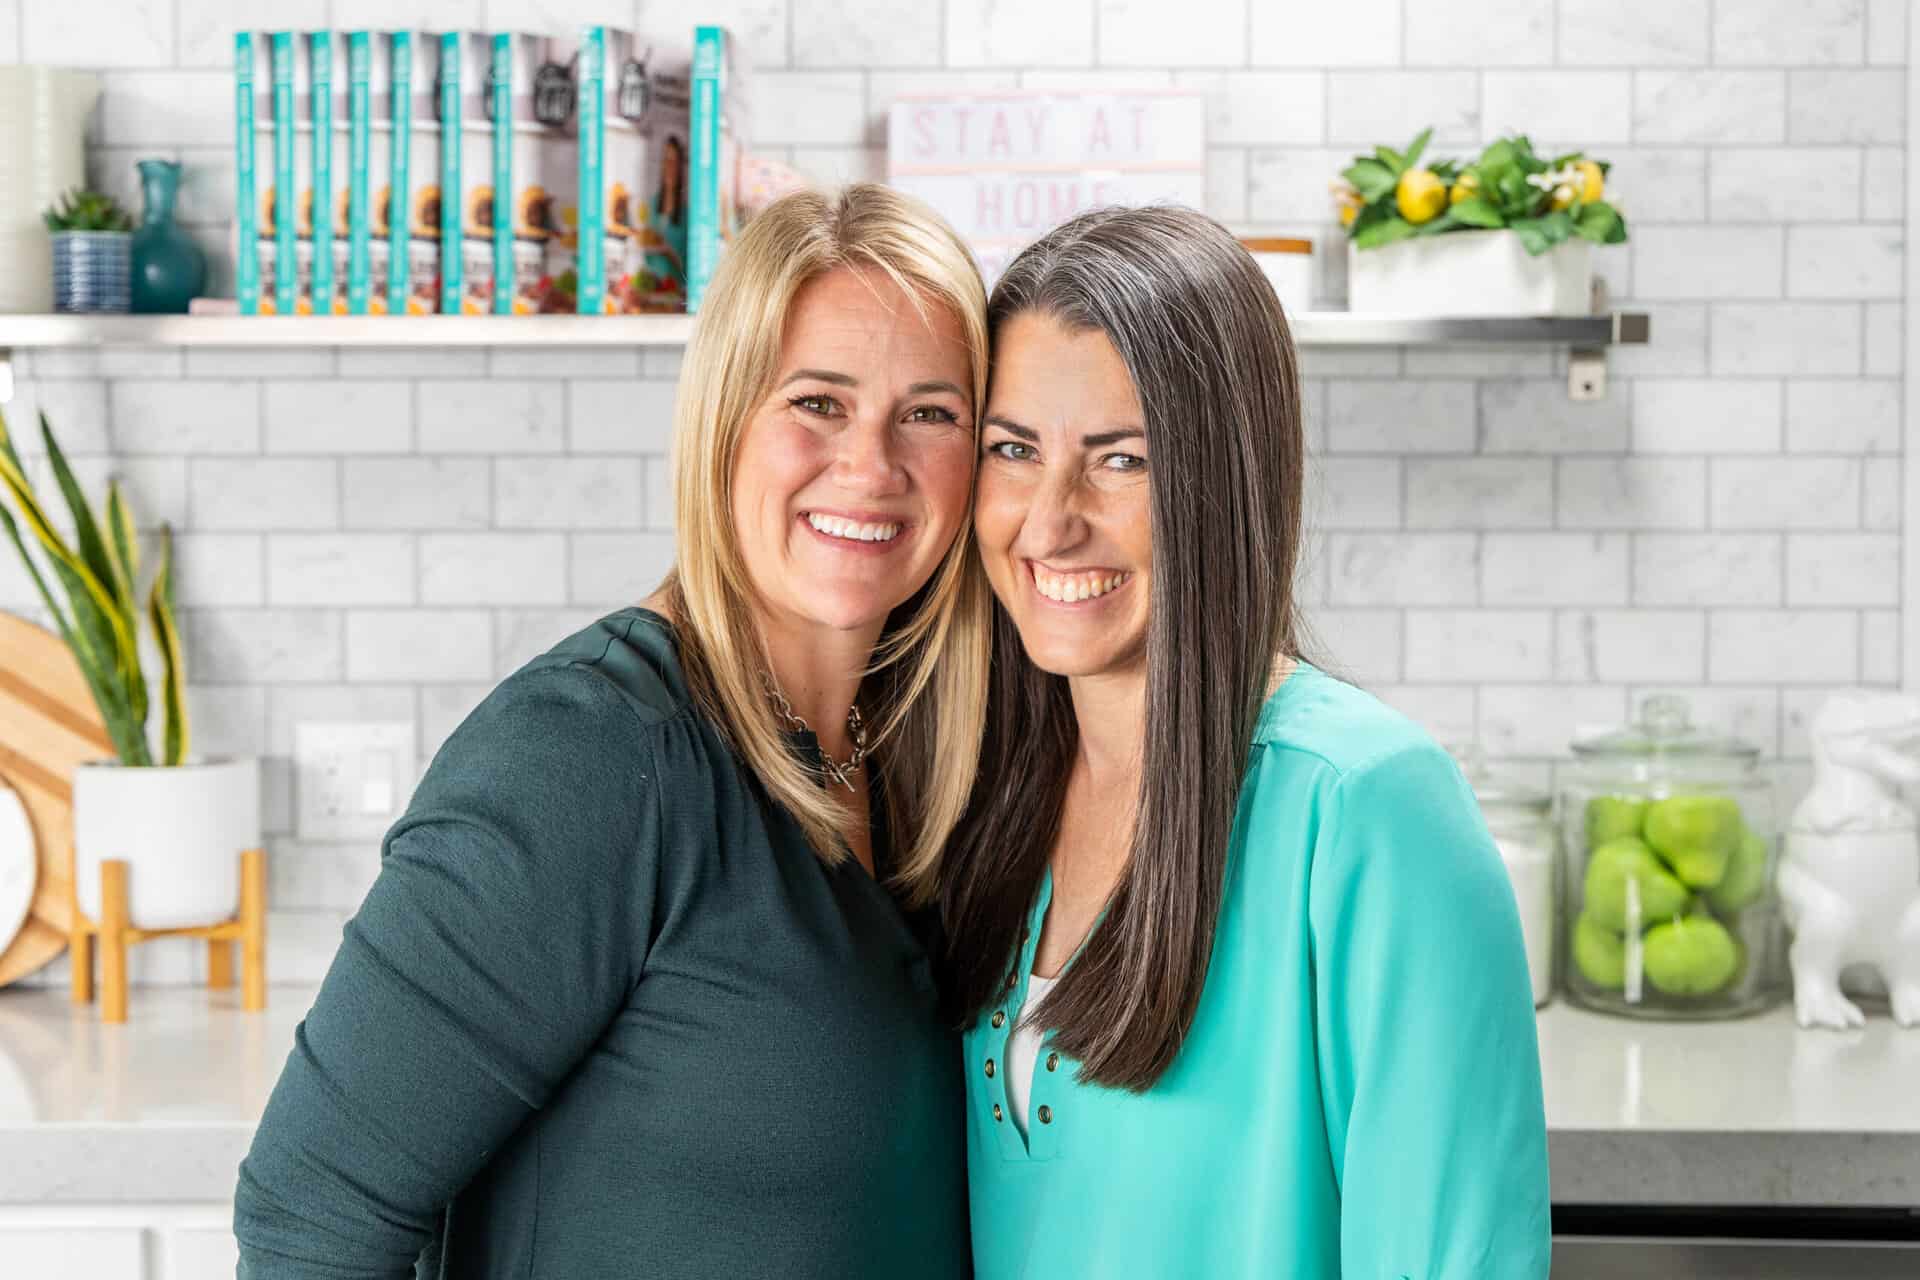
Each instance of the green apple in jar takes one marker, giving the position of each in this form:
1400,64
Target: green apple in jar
1616,869
1599,953
1746,877
1610,817
1693,955
1696,835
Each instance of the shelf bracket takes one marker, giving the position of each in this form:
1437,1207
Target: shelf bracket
1587,373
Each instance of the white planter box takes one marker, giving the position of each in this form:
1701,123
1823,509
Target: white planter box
180,830
1470,273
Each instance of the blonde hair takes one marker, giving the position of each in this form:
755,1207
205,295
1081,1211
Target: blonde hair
931,708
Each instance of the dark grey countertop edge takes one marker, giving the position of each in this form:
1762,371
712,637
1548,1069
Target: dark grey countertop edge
1722,1168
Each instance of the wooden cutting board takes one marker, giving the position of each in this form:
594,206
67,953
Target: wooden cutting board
48,724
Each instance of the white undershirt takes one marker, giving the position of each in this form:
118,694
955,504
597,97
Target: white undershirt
1023,1051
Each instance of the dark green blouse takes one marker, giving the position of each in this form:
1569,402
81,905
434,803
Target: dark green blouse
604,1013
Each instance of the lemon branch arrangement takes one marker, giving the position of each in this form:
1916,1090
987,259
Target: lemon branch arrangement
101,622
1390,196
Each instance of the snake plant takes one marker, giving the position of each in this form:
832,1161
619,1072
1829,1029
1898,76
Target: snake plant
101,623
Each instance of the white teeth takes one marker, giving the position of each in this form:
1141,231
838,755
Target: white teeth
1075,587
853,530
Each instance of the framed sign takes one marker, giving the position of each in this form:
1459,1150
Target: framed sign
1005,168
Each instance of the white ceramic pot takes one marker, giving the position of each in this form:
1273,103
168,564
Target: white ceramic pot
180,830
1470,273
43,122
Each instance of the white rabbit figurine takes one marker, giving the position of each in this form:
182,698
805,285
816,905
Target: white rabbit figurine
1850,880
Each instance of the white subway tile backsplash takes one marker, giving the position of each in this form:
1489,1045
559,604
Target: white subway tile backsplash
444,706
1881,497
1790,338
1887,32
521,635
1707,569
1710,107
563,362
1353,493
567,493
659,483
1478,360
610,570
491,416
1681,349
1368,108
837,166
167,108
154,488
1402,568
1535,416
1706,415
1840,569
225,719
293,705
265,493
1789,32
1784,646
1359,33
1884,195
1844,262
418,493
809,108
1478,645
620,416
1400,416
1001,33
413,362
340,569
1289,186
1570,109
1745,184
338,416
1448,712
260,362
1226,190
493,568
1479,493
1868,107
1786,493
1534,720
761,26
206,27
332,875
99,33
423,15
1630,645
218,569
1880,647
1554,569
865,33
1843,415
1885,354
1632,493
1621,33
198,417
1136,33
106,362
1750,713
1363,645
1273,108
263,646
77,412
1709,262
1658,184
1480,33
424,646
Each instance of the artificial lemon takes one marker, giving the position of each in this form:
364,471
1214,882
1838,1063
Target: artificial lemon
1592,182
1420,195
1467,184
1348,212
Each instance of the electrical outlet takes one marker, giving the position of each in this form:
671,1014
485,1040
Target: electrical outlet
350,780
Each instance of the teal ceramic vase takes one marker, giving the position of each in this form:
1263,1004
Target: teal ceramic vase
169,269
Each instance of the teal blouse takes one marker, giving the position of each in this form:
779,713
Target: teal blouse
1360,1093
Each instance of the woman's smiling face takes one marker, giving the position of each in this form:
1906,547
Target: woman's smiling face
1063,511
850,480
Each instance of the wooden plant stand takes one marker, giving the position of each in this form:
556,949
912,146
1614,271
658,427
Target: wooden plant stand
115,935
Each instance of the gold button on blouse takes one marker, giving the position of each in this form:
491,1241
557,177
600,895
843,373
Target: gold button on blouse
999,1019
989,1068
1046,1115
1053,1062
996,1111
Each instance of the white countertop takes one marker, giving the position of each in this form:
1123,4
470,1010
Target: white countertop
1752,1111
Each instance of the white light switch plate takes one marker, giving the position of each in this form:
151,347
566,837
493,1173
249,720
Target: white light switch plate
350,780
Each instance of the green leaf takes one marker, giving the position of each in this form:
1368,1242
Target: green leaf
1598,221
1391,159
1370,178
1419,146
1435,225
1474,211
1386,231
93,548
174,737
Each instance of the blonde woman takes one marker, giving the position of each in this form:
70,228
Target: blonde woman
631,995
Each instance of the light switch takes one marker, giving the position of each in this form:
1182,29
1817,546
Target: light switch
351,780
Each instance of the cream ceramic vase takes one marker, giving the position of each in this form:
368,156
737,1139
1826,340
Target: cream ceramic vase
180,830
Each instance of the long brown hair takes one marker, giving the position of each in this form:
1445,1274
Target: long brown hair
928,704
1206,344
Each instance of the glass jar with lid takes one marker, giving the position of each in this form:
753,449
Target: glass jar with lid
1669,838
1520,820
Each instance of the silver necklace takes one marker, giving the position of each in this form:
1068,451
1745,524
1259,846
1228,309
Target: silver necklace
835,770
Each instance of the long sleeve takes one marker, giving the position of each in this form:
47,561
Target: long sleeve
1425,1034
505,931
